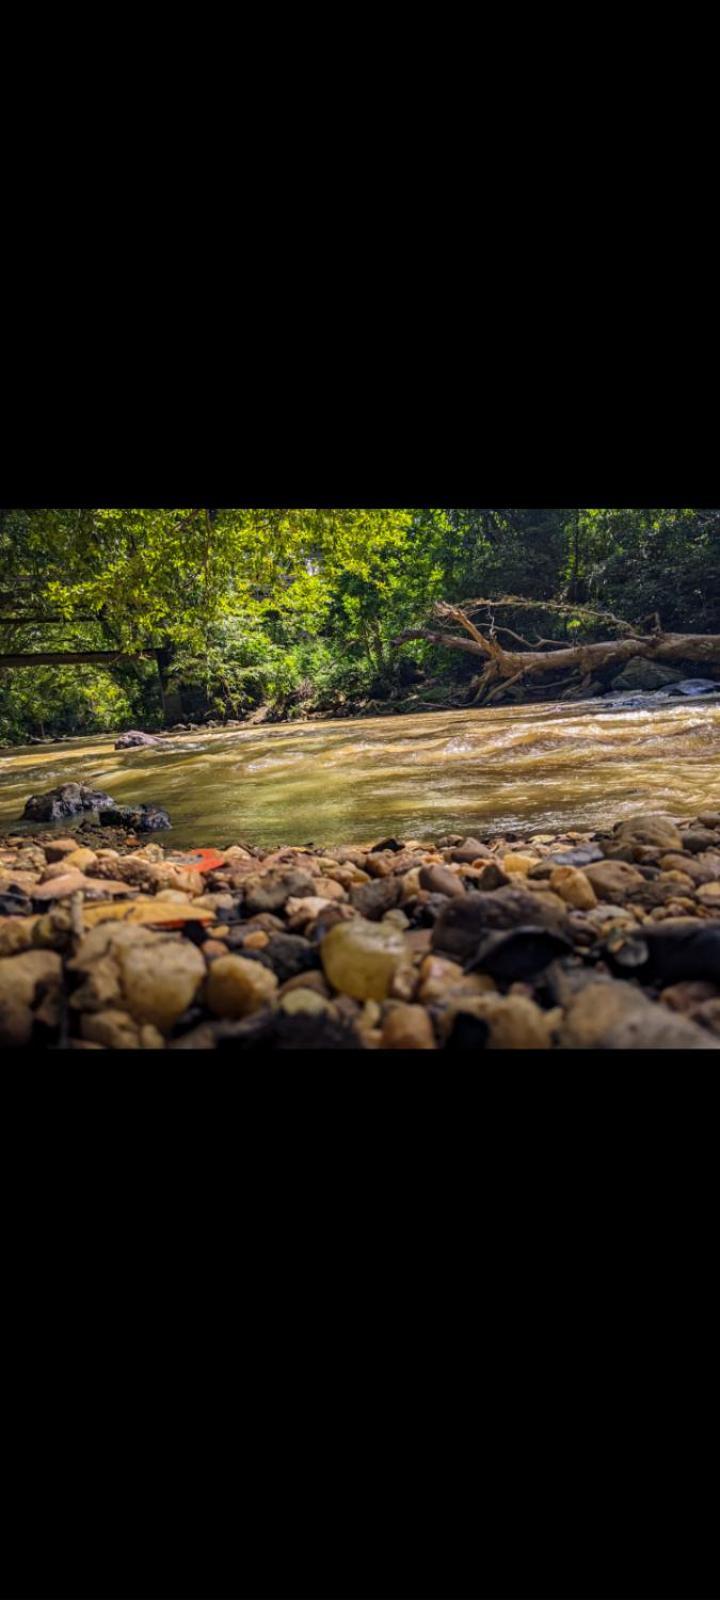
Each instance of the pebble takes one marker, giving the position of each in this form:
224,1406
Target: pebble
708,894
300,912
82,858
371,950
212,948
329,888
440,880
469,850
58,888
407,1027
58,849
514,862
574,887
117,1030
306,980
360,958
29,992
687,995
159,985
373,899
306,1000
16,934
514,1022
613,878
649,829
237,987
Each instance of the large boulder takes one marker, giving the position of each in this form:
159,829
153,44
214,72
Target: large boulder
65,801
127,741
640,673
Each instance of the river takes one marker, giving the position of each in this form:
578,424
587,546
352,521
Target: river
539,767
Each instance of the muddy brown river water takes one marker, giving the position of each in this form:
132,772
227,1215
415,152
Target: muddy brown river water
537,767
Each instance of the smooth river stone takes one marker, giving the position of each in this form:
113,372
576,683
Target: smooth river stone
574,887
237,987
161,982
361,958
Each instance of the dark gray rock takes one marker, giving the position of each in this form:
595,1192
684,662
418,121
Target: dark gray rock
65,801
372,900
289,954
699,839
642,674
518,954
465,921
467,1032
270,892
681,947
137,819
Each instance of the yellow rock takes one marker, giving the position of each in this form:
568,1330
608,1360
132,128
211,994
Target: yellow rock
81,858
360,958
708,894
513,862
573,887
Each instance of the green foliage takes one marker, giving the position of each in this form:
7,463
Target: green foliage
301,606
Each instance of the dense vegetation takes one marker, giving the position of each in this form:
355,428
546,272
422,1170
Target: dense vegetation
297,609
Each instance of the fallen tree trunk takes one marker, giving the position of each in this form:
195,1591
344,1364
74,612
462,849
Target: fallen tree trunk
503,668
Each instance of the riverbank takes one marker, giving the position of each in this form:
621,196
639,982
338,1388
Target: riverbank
583,939
365,709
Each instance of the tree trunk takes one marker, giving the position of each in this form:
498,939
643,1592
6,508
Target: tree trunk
170,698
587,660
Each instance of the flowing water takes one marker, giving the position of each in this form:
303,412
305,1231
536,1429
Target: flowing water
536,767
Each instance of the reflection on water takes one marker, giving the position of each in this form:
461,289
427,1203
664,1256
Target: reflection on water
543,766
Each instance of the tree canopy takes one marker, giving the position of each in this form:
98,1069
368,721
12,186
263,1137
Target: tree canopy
291,605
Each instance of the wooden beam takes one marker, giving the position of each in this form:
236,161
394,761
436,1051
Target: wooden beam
44,658
38,618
